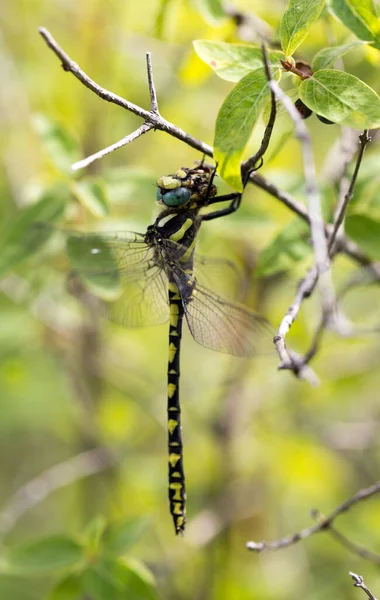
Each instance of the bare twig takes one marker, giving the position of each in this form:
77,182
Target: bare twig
354,547
312,193
324,523
364,140
359,582
152,87
320,272
250,27
85,162
290,360
62,474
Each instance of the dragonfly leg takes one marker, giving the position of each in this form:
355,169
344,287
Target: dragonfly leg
235,198
234,205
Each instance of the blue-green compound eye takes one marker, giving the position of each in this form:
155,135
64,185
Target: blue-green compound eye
174,197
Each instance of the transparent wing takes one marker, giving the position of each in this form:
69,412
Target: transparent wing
123,270
219,324
224,326
124,253
123,264
220,275
143,301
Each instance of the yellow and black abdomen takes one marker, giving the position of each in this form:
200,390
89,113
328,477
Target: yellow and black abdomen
177,491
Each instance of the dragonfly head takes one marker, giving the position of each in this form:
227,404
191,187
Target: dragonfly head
187,188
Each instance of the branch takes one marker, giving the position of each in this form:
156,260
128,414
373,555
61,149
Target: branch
290,360
85,162
152,117
364,140
62,474
359,582
312,194
324,524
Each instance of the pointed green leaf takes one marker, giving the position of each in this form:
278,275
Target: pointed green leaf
236,119
20,239
360,17
42,556
297,19
326,57
341,98
233,61
365,232
59,142
210,10
69,588
288,247
92,195
120,536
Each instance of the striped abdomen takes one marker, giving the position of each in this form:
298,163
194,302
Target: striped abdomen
177,492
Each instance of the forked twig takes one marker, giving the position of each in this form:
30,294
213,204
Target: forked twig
324,524
153,117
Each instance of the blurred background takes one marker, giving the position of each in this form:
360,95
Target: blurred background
88,398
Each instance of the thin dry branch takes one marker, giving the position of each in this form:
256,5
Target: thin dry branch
60,475
359,582
364,140
324,524
290,360
152,117
312,194
85,162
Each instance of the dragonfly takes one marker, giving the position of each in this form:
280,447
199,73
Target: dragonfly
160,280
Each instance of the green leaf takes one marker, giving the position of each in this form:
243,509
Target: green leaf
118,580
92,258
59,143
233,61
360,17
69,588
20,239
210,10
92,195
289,247
94,533
342,98
327,56
297,19
41,557
119,537
236,119
365,232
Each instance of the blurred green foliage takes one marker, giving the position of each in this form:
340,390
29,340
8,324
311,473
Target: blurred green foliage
261,448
